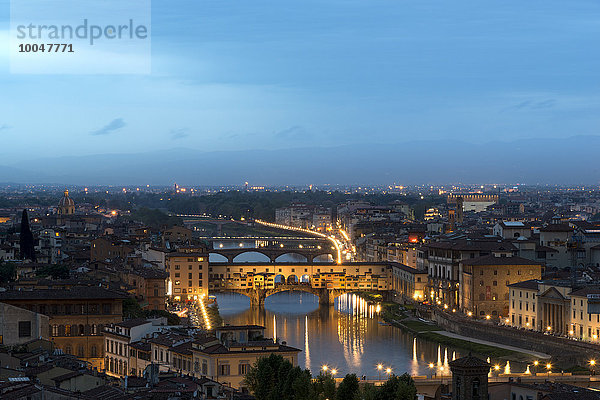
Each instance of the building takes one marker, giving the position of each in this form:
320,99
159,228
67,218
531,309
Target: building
188,273
117,345
77,316
556,307
66,205
485,283
18,325
511,229
408,282
228,357
523,304
150,287
177,234
443,260
110,248
469,378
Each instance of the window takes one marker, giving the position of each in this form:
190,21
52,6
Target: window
204,368
24,329
243,369
475,390
224,370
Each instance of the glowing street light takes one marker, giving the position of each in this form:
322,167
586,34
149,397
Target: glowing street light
549,368
388,371
333,372
325,368
379,369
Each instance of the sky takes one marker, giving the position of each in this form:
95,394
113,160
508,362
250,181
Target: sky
279,74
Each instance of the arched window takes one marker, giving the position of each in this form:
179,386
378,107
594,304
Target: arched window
80,351
68,350
55,330
94,351
81,330
67,330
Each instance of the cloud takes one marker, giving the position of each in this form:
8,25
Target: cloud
4,127
294,132
531,105
111,127
180,133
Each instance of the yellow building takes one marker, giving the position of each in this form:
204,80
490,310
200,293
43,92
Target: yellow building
585,314
188,274
228,357
485,281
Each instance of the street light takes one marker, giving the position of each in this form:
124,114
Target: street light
549,368
379,368
592,365
325,368
388,371
431,366
333,372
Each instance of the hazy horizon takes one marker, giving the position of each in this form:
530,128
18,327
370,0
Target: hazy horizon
236,76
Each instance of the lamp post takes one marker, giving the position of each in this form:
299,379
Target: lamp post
431,366
379,368
592,365
549,368
536,363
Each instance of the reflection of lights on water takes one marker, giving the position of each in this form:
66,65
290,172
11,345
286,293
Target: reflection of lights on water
306,348
357,306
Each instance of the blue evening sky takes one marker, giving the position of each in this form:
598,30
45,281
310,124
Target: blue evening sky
265,74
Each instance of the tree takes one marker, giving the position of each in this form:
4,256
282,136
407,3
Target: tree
8,272
274,378
26,244
348,389
54,271
324,386
398,388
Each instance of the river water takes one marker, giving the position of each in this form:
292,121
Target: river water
348,336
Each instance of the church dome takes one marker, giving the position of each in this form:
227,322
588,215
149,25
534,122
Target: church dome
66,200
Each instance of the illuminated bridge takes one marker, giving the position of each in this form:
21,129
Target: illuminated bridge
308,248
325,280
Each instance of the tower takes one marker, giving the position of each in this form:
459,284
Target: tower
469,378
459,209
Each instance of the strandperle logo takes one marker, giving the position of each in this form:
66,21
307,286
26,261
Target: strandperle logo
91,32
80,36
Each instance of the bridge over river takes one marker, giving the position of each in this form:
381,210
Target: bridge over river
325,280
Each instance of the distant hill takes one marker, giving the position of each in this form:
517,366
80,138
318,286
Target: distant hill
561,161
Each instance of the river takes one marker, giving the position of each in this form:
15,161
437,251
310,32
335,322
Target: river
348,336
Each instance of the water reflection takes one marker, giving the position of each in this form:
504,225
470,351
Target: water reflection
348,336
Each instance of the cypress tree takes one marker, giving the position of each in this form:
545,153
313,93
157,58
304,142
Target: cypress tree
26,238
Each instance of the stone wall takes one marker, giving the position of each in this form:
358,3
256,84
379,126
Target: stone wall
561,349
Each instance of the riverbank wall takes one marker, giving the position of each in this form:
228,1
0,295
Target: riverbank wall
562,350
